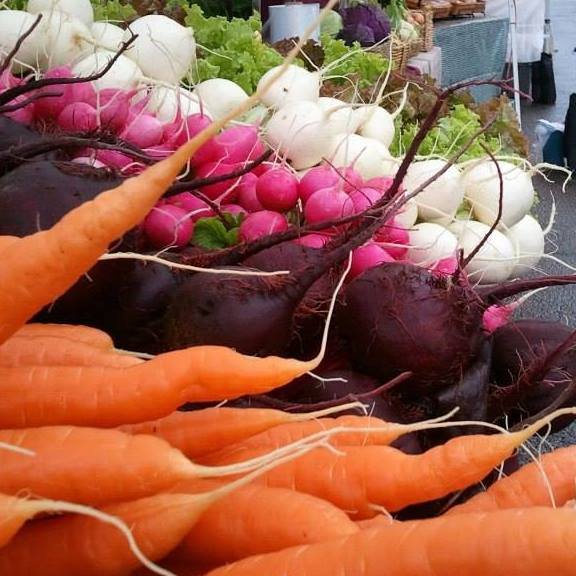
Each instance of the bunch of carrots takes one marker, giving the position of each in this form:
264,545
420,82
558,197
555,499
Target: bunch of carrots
100,475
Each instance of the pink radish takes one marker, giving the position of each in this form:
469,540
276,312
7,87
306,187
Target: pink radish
78,117
364,198
224,191
233,209
316,179
366,257
246,193
262,223
395,239
328,204
113,107
143,131
313,240
194,207
277,190
182,130
168,225
235,144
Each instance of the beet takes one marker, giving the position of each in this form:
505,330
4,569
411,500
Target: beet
399,317
35,195
255,315
14,134
529,373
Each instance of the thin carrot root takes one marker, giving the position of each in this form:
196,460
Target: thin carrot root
74,333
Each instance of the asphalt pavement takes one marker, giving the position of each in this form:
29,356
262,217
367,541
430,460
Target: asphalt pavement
557,304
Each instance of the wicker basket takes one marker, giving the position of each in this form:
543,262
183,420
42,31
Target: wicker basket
468,8
398,50
426,41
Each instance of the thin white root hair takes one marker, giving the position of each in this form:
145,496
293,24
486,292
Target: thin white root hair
178,266
326,380
16,449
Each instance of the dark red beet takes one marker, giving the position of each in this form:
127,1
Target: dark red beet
398,317
529,376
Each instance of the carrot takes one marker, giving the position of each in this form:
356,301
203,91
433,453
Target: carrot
203,431
55,351
552,482
97,396
362,479
6,242
380,521
13,513
96,466
522,542
80,334
255,520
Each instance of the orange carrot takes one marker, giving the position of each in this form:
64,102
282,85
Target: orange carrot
255,520
54,351
203,431
81,546
522,542
380,521
80,334
13,513
7,241
362,478
95,396
552,482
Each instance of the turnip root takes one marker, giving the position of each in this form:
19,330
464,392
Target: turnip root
81,9
124,74
376,123
430,243
13,25
220,96
482,189
295,85
107,36
528,240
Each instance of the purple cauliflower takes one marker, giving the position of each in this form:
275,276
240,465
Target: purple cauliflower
364,23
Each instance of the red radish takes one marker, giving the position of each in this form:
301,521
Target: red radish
381,183
193,206
328,204
313,240
233,209
51,106
497,316
351,178
263,168
23,115
445,266
364,198
225,191
262,223
246,193
182,130
395,237
316,179
78,117
160,151
235,144
143,130
168,225
277,190
8,80
113,107
117,160
368,256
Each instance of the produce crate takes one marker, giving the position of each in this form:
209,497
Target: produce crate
440,8
426,41
467,7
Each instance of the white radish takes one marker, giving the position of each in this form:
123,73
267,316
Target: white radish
295,85
220,96
407,215
340,116
482,188
440,199
13,24
169,103
495,260
107,36
298,132
528,240
377,123
81,9
366,155
430,243
124,73
164,50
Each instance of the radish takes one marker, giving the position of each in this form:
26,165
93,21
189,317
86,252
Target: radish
377,123
298,131
220,96
87,161
328,204
366,257
61,39
143,130
277,190
180,131
295,85
13,25
113,108
164,49
78,117
166,226
246,195
482,189
222,191
193,206
169,103
313,240
528,240
124,74
235,144
381,183
394,239
233,209
407,215
340,116
441,199
107,36
496,259
364,198
80,9
260,224
429,243
316,179
369,157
